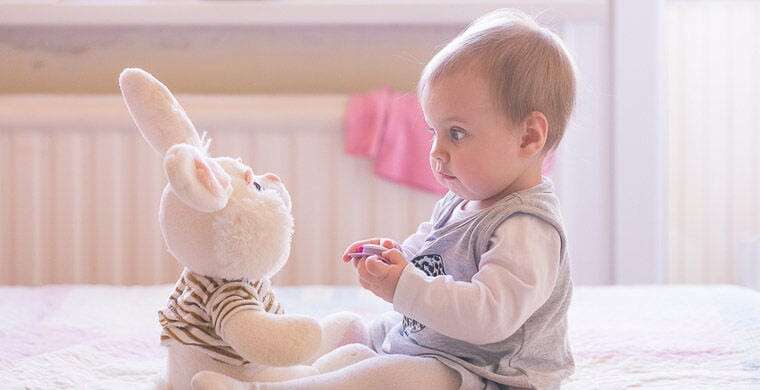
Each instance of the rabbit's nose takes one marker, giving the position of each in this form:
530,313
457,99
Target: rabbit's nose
272,177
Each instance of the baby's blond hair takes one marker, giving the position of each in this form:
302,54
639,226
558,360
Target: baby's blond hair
527,66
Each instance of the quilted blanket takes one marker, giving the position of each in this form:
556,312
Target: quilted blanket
106,337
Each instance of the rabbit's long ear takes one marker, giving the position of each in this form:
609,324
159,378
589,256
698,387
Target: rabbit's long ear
199,181
158,115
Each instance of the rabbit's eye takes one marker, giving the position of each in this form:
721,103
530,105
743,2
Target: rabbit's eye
257,185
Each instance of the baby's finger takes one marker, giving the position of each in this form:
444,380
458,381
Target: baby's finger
350,249
361,268
377,268
354,247
388,243
394,256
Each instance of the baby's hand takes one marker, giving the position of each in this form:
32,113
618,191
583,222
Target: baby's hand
356,247
380,274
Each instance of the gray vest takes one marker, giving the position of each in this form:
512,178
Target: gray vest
538,353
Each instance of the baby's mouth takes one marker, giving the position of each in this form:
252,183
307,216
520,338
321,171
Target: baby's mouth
446,176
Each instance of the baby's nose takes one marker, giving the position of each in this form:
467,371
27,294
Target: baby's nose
437,153
438,158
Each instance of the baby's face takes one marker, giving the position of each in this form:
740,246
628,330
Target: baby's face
475,151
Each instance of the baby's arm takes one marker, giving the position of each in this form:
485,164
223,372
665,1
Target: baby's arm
517,275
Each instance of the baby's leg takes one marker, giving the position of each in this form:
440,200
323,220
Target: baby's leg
276,374
342,357
398,372
340,329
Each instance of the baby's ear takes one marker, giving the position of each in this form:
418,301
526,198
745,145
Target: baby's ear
199,181
158,115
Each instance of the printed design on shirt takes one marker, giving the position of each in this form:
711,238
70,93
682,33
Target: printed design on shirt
431,265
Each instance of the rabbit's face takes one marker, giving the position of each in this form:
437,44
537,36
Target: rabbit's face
216,216
249,238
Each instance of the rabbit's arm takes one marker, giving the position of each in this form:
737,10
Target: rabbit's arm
270,339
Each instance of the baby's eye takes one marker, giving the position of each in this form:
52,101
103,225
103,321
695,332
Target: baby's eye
457,134
257,185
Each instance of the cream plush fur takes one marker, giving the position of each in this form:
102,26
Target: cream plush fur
217,222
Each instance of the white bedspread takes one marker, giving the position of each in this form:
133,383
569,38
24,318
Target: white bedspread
101,337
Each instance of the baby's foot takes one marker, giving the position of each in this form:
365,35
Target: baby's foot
209,380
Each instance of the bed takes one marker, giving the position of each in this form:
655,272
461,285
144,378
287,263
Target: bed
105,337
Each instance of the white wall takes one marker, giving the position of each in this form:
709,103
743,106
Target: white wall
347,57
714,137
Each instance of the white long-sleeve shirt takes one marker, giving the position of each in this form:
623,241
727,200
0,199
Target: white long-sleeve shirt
516,276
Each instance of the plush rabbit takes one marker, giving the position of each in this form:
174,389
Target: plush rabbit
231,230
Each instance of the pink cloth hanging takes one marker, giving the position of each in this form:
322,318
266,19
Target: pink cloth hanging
389,128
364,122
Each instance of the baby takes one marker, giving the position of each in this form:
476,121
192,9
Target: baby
481,290
484,286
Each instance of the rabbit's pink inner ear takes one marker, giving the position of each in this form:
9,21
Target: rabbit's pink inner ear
207,178
221,176
248,176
